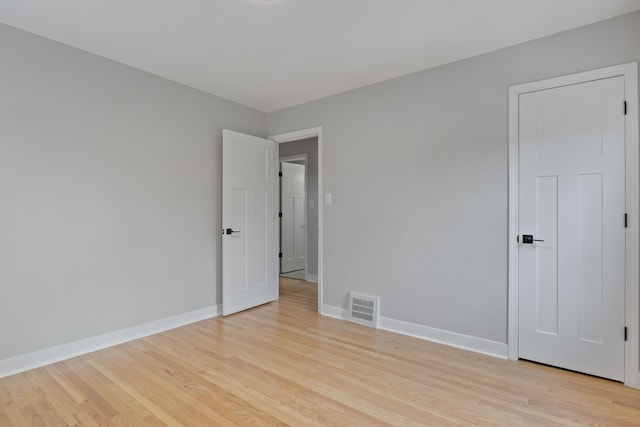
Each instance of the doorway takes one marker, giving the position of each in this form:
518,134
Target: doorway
299,209
573,222
306,146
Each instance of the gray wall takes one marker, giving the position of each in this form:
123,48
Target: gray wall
310,147
110,187
418,170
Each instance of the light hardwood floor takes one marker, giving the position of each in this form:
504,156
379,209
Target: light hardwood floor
283,364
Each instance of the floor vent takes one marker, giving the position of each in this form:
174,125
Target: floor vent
363,309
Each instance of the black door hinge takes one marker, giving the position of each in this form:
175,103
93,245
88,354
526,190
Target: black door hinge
280,215
625,333
280,174
626,220
280,255
625,108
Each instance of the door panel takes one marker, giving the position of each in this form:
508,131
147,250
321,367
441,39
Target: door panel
248,191
547,255
262,224
572,196
590,223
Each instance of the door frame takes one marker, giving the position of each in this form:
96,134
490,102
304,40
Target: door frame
297,136
632,199
287,159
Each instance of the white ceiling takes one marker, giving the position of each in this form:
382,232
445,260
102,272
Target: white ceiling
272,54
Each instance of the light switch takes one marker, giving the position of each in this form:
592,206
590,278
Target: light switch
327,198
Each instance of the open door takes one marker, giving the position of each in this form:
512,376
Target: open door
293,222
249,275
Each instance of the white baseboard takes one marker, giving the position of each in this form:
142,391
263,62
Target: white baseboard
36,359
311,278
333,311
453,339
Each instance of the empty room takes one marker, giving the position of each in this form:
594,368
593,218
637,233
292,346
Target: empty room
319,212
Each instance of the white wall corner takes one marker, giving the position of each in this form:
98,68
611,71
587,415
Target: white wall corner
47,356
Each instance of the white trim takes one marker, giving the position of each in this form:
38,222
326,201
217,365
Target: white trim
294,158
452,339
47,356
514,226
285,159
313,278
276,222
296,136
632,309
334,311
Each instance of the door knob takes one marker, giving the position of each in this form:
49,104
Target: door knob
230,231
528,239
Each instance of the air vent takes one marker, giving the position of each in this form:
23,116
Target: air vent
363,309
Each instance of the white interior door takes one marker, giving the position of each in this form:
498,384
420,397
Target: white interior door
249,277
572,200
292,225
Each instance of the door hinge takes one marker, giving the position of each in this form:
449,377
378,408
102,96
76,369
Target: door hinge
625,108
625,333
279,214
280,255
626,220
280,174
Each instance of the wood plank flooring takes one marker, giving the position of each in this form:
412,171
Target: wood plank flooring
283,364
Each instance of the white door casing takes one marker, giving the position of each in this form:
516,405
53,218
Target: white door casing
292,224
571,185
249,273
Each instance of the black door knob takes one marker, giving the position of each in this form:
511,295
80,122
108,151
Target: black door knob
528,239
